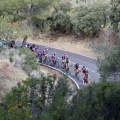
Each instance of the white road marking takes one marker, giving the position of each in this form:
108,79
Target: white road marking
81,66
66,51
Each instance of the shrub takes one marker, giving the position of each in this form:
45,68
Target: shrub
30,63
89,19
65,7
61,22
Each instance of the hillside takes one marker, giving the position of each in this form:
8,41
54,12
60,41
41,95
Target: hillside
29,91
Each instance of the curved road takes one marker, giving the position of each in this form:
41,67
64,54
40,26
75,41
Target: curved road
90,63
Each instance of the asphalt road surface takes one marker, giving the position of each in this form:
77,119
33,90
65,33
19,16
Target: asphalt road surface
90,63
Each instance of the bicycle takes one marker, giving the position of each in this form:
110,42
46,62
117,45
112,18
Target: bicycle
47,60
77,74
54,63
63,64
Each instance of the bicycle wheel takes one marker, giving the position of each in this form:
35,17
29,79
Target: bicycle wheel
63,65
48,60
77,75
45,61
68,71
57,64
51,63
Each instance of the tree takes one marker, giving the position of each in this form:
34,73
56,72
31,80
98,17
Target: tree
99,101
37,99
115,14
61,22
89,19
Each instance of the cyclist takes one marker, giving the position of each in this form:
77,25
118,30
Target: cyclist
83,69
76,68
54,59
46,50
67,64
44,54
86,78
32,48
64,56
4,42
12,44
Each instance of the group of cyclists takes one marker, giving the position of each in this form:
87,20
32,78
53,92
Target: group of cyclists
43,55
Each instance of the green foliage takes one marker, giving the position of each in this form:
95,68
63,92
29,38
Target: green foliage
41,11
61,22
65,7
115,14
98,101
46,98
30,63
36,99
89,19
109,63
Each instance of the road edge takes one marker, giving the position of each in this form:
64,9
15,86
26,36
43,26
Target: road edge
62,73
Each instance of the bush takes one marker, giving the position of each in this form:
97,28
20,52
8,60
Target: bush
61,22
89,19
65,7
36,99
30,63
98,101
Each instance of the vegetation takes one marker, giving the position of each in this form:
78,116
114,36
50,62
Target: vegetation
108,59
42,99
89,19
46,97
30,62
52,15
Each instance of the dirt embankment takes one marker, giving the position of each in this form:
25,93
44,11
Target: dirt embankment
72,42
64,42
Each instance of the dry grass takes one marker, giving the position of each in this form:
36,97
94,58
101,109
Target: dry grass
10,72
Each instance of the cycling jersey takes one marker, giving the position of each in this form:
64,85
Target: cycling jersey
54,57
46,51
76,66
43,52
67,60
86,76
83,70
64,57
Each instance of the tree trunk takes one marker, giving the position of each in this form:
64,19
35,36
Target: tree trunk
24,41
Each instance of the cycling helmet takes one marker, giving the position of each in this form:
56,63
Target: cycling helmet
65,54
83,66
77,64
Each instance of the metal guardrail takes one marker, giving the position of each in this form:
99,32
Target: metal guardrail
62,73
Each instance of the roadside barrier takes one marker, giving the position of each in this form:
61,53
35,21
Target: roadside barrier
62,73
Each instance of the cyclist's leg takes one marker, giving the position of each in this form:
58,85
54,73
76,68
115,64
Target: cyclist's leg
43,59
62,64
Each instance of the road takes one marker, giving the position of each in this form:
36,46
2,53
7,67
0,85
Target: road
90,63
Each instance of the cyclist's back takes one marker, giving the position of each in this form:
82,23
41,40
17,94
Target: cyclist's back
83,69
76,66
86,78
